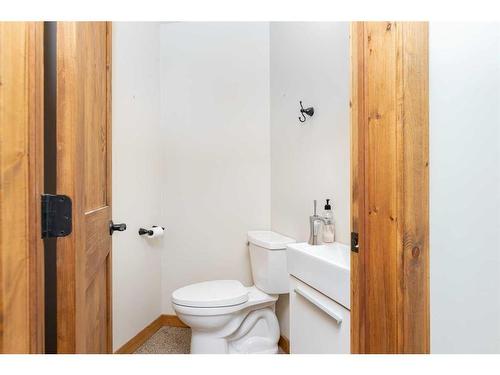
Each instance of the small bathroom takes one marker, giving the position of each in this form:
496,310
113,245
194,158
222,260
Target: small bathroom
249,188
230,136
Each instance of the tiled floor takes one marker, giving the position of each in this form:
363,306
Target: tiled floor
169,340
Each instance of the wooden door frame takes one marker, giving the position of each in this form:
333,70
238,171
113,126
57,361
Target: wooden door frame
21,185
410,330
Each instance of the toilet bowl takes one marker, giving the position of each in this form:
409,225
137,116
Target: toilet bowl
227,317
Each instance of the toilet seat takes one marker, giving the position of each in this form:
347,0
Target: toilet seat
215,293
254,297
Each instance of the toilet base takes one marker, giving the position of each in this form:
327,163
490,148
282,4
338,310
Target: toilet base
250,327
203,344
252,332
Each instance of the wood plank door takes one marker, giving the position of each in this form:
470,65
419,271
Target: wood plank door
21,183
389,145
84,174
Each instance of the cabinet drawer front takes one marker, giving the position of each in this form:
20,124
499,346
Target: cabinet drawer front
318,324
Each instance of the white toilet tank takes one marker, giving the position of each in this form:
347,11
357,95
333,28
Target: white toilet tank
268,260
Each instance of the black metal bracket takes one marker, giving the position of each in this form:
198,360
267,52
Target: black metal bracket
354,242
143,231
149,232
56,215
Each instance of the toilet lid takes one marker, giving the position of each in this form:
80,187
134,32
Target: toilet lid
217,293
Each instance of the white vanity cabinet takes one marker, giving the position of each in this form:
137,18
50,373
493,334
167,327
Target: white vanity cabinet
319,299
318,324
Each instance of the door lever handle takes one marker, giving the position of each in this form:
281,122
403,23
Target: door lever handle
119,227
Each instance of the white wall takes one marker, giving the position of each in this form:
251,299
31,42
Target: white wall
136,183
465,187
309,62
216,149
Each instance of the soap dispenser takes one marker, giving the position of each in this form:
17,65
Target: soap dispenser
329,228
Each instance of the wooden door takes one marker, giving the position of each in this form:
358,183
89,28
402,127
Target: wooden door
84,174
390,159
21,182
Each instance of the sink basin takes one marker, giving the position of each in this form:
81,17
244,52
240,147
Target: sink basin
326,268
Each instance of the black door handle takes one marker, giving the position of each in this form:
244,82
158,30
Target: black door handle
119,227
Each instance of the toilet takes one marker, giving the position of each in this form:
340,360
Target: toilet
227,317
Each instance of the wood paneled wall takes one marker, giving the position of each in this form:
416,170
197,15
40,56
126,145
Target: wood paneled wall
21,183
389,121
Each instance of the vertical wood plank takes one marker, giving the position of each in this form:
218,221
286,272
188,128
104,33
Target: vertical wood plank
357,183
381,188
109,281
84,173
389,276
36,188
21,178
415,176
69,155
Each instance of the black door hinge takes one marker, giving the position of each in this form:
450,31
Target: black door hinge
56,215
354,242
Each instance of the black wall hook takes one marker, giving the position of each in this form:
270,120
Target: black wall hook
308,111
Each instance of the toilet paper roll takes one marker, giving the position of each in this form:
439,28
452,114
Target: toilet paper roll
157,232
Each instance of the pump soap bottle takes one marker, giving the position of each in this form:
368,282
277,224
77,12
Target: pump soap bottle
329,229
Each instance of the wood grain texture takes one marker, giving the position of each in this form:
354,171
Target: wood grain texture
109,185
380,257
389,202
84,174
415,179
21,181
357,182
36,186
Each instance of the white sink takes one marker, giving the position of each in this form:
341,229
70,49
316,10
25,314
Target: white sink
326,268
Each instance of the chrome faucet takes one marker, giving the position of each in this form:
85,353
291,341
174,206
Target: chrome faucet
315,222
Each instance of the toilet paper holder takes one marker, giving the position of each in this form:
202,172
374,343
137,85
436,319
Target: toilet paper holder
149,232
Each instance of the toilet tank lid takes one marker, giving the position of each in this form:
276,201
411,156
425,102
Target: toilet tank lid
269,240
